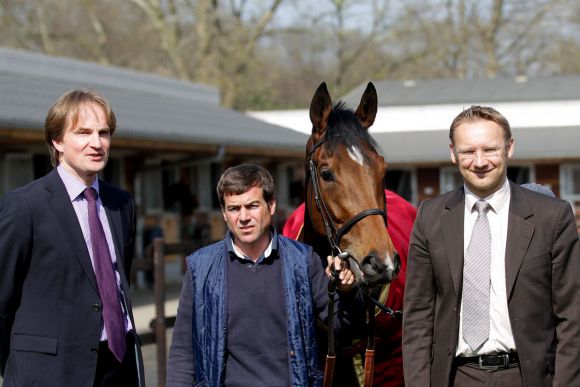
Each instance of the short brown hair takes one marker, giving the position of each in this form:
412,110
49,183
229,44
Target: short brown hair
239,179
65,113
485,113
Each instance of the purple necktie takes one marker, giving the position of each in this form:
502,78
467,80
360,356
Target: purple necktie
112,313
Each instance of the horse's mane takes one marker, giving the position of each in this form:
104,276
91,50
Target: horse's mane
344,129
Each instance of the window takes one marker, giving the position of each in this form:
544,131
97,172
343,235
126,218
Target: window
113,172
41,163
575,180
400,181
570,185
152,192
2,190
519,174
450,179
17,170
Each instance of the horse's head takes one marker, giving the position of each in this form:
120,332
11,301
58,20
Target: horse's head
345,186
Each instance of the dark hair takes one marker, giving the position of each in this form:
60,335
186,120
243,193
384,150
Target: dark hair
65,114
476,113
239,179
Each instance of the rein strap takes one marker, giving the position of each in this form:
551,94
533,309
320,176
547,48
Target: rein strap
334,237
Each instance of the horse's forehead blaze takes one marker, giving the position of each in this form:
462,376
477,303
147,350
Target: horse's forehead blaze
356,155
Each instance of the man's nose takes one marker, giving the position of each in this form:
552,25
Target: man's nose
95,140
244,215
479,159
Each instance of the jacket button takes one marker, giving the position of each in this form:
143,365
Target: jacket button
94,349
292,353
97,307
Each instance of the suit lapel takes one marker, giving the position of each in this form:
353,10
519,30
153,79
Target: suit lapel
115,223
520,233
61,205
452,230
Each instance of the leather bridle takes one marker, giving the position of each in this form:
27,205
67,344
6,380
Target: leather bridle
334,235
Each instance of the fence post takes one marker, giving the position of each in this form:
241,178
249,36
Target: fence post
159,291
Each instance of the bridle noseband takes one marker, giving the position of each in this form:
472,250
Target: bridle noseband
334,236
333,233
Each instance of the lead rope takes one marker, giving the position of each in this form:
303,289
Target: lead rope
370,350
330,354
333,281
333,235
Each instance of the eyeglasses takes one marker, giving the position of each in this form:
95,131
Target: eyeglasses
488,153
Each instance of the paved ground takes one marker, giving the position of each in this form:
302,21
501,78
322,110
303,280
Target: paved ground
150,360
144,311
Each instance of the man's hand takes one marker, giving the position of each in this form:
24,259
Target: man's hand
345,276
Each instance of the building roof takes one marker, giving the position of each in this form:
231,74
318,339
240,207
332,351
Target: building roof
432,146
412,124
470,91
148,107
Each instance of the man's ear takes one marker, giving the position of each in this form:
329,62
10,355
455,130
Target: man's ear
510,148
272,206
452,154
57,144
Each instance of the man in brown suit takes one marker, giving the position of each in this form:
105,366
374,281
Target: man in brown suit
493,279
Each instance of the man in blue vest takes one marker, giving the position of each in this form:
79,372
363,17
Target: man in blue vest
249,304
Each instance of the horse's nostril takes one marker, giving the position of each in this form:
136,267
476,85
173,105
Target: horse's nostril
376,267
397,263
375,264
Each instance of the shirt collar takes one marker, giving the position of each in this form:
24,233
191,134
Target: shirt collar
74,186
271,250
496,200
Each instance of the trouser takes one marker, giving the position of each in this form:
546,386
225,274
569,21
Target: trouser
470,375
111,372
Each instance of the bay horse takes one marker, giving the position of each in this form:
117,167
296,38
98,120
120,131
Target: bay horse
345,211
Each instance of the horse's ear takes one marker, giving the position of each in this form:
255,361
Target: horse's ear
320,109
367,109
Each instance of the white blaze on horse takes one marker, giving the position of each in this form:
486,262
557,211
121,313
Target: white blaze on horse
348,211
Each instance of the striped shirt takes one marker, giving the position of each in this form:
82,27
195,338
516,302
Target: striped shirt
75,189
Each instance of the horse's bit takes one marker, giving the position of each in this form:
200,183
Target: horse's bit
334,236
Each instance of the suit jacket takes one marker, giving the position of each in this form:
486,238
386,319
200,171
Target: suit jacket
542,265
50,309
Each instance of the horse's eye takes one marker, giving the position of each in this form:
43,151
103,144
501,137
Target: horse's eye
326,175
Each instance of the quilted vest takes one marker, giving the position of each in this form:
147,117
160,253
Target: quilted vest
209,328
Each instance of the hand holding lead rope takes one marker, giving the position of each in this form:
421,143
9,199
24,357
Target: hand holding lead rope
339,272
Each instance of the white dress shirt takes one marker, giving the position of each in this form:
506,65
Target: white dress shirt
500,338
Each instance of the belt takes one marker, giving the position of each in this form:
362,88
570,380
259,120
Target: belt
496,361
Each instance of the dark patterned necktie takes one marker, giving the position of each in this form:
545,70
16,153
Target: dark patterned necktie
106,280
476,280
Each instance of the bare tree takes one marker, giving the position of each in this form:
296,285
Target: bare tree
468,38
271,53
165,19
354,28
208,40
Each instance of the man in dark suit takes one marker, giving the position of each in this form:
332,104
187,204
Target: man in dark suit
66,244
493,278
